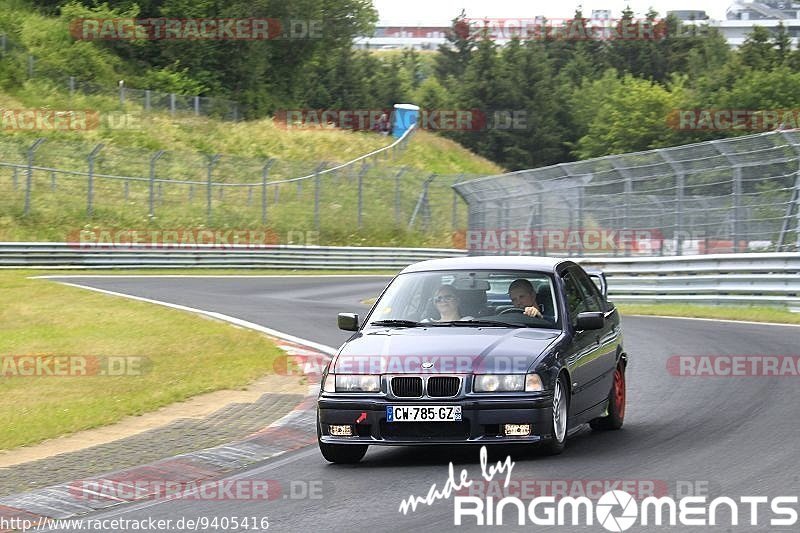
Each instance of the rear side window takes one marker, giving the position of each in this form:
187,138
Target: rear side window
591,296
575,298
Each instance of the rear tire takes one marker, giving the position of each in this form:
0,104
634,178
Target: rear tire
616,404
556,444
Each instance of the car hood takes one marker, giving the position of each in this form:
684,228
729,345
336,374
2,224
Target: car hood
443,350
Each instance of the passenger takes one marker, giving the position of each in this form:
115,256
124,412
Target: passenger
522,296
447,303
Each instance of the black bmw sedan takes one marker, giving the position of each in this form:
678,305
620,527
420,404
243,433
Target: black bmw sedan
476,350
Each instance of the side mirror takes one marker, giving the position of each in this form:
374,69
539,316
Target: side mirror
348,321
590,320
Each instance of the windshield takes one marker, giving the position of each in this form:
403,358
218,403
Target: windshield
468,298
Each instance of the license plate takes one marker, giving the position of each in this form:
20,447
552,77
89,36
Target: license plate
423,413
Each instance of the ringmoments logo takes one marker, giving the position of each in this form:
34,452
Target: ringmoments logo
615,510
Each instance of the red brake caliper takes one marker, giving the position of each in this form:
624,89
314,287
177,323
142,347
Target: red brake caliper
619,392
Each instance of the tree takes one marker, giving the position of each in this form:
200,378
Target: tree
630,116
454,56
758,51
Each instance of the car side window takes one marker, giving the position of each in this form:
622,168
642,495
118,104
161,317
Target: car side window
575,299
591,295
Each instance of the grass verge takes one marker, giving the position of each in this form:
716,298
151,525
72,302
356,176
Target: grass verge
744,313
184,355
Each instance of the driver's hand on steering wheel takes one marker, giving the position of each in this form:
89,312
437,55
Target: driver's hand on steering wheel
532,311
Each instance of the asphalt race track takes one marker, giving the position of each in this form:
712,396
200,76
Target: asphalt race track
728,436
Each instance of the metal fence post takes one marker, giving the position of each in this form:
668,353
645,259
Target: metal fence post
71,86
737,207
212,160
422,202
397,196
628,198
454,221
264,176
14,179
147,100
151,195
31,62
172,103
197,105
126,189
90,180
361,173
122,92
797,213
317,184
29,178
52,181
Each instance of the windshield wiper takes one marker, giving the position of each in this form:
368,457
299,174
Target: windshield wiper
478,323
396,323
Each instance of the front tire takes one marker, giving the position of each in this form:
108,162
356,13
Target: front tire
558,440
616,404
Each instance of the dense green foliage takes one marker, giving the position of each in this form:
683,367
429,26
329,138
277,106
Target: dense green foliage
580,97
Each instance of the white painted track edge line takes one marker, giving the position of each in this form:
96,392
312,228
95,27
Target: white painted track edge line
328,350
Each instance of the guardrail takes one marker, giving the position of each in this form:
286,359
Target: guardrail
752,278
77,256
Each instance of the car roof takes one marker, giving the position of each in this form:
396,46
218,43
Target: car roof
506,262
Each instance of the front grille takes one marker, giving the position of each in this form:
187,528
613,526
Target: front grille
442,386
407,387
424,430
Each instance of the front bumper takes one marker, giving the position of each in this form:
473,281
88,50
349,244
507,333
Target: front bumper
482,420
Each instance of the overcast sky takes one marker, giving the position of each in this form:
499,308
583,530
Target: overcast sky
440,12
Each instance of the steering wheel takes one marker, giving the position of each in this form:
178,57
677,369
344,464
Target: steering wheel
511,310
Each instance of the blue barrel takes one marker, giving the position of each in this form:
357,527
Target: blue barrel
404,116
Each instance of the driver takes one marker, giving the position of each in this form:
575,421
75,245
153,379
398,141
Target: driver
522,296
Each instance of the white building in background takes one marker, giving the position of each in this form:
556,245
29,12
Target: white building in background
741,17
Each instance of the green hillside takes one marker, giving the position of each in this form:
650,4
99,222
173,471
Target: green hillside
58,201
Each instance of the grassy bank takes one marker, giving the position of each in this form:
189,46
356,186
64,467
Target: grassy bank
59,200
176,355
745,313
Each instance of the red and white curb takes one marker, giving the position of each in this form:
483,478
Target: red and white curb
294,430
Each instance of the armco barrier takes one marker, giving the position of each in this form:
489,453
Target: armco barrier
752,278
66,255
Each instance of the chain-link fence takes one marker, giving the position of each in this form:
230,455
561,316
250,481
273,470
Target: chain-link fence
27,65
733,195
58,183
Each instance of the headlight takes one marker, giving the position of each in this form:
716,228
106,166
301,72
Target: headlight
507,383
355,383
